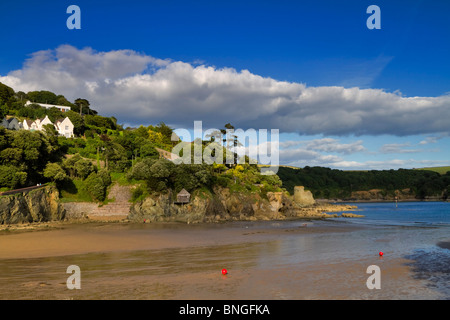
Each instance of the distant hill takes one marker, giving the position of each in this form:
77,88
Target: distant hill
339,184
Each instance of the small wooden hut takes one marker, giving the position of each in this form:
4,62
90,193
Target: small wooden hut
183,196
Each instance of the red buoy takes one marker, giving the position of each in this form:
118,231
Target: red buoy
381,254
224,271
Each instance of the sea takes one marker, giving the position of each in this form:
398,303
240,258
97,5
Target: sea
417,231
304,259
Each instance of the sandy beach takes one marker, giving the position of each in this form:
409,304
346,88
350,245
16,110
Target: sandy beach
62,238
267,260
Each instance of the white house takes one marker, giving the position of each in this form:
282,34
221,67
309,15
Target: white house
40,123
29,125
64,127
48,106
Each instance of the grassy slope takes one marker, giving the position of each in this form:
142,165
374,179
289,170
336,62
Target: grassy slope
440,170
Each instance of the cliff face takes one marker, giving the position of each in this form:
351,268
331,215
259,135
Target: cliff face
224,205
35,206
42,205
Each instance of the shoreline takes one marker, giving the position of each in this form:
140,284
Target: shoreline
340,201
294,258
66,238
179,261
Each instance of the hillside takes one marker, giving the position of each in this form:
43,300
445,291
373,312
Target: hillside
338,184
102,152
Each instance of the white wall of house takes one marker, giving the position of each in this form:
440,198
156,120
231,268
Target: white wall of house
42,122
63,127
48,106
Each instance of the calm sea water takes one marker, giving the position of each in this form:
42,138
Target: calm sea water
422,214
265,260
418,231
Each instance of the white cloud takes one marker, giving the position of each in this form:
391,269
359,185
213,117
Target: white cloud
140,89
398,148
433,139
332,145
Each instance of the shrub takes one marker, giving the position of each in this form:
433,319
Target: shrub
96,184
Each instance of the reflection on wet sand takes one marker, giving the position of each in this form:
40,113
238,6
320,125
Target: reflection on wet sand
264,261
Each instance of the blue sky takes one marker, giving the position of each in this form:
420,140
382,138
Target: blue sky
353,98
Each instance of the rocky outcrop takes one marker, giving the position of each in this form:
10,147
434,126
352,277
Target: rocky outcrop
42,205
38,205
224,205
302,197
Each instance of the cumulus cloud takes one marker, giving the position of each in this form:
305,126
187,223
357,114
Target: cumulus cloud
139,89
316,152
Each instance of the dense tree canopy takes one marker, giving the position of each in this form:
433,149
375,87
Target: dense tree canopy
329,183
26,154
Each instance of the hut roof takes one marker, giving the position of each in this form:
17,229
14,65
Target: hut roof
183,192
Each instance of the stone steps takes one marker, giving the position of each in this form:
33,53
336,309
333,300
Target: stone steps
119,208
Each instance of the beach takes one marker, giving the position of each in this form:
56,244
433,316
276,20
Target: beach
287,260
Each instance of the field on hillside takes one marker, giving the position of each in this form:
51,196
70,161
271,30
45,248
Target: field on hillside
441,170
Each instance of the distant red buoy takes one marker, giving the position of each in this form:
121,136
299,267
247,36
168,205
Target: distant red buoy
381,254
224,271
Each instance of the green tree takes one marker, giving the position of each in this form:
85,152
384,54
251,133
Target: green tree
69,164
99,121
54,114
82,105
95,188
12,156
7,94
21,96
54,172
148,150
97,184
12,177
42,96
83,168
62,101
77,121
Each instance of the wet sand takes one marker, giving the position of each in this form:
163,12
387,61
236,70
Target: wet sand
60,239
176,261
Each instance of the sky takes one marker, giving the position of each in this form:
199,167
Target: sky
341,95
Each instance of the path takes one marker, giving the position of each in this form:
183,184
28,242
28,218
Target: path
4,193
118,209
